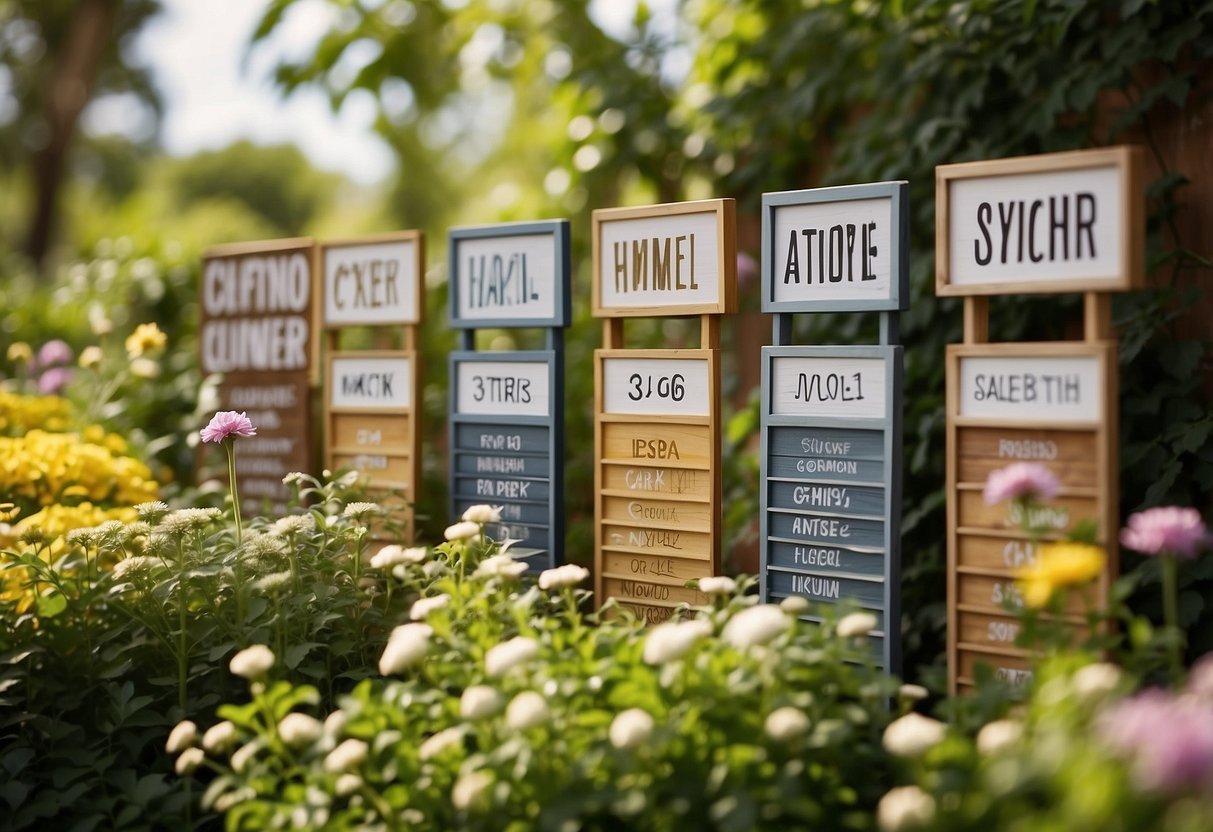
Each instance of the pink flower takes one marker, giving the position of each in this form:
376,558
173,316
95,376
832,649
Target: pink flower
228,423
1169,530
54,380
54,352
1021,480
1168,739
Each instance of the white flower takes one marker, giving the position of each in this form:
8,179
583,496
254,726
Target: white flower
672,640
252,662
189,760
347,784
500,566
912,693
219,736
394,555
334,724
406,646
794,605
298,730
754,626
479,702
786,723
225,802
272,582
717,585
568,575
440,742
526,710
422,607
184,734
483,514
904,807
462,531
630,728
913,734
1096,680
134,564
504,657
470,789
350,754
856,624
242,755
997,735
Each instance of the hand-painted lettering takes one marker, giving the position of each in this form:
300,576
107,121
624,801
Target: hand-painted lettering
1016,388
1014,235
840,249
656,264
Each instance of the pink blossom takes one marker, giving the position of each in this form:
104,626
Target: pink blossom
1021,480
228,423
54,352
1167,530
1169,740
54,380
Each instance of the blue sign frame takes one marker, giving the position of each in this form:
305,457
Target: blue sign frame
558,230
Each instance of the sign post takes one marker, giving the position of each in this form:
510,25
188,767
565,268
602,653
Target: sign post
257,331
657,441
372,402
831,415
507,407
1055,223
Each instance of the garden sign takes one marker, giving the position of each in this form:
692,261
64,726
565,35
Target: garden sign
1040,224
256,331
829,528
507,406
657,412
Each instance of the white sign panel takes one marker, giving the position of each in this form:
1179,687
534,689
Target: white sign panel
377,383
502,388
371,283
656,386
829,387
506,277
1031,388
833,251
1036,227
660,261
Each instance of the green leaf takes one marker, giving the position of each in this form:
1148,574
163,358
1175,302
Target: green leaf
50,604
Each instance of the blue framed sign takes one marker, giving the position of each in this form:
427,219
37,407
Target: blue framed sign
507,407
830,524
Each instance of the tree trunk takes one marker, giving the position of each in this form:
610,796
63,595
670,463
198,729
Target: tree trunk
69,88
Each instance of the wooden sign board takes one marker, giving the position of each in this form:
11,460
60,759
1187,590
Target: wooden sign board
657,477
836,249
507,447
371,401
510,275
1047,403
1061,222
675,259
256,330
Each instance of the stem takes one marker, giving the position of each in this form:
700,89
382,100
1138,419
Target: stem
229,445
182,660
1170,611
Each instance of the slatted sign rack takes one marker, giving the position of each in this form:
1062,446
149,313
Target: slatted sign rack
507,406
372,403
830,519
657,440
1064,222
257,330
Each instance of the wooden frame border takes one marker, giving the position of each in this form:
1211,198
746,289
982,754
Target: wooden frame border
557,229
1105,430
899,234
726,253
414,236
1128,160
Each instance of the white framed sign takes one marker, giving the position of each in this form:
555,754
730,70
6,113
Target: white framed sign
1050,223
675,259
828,387
502,388
509,274
656,386
1047,389
372,282
375,383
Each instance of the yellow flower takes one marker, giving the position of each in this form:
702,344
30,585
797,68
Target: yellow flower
20,351
145,337
90,357
1059,566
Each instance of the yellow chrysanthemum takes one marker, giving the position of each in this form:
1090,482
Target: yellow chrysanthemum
145,337
19,413
1059,566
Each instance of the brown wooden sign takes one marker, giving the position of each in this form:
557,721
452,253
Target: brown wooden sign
657,436
257,333
371,397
